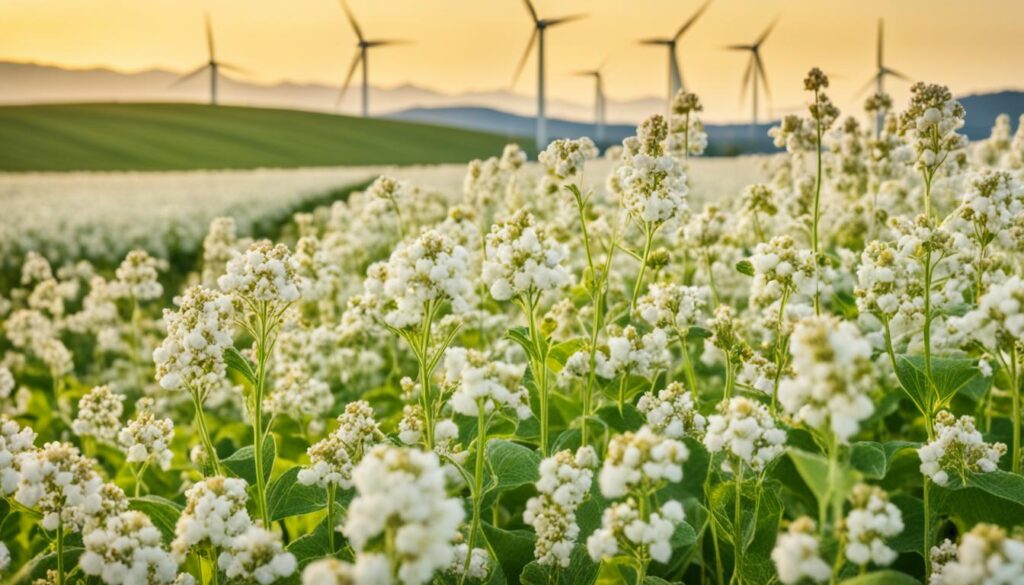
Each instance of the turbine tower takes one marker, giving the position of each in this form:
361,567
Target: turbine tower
599,102
881,71
755,69
675,75
212,64
364,45
539,26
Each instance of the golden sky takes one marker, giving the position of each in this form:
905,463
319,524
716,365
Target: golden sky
462,45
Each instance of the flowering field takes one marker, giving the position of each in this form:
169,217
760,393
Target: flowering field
634,368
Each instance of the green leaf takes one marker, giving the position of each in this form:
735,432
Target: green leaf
745,267
697,333
949,376
652,580
581,571
315,544
886,577
999,483
513,465
239,363
163,512
286,496
873,459
243,464
683,536
521,335
513,547
913,521
813,469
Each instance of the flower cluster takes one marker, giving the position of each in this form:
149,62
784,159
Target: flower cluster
746,432
797,554
333,457
872,520
670,305
138,274
672,412
401,496
99,414
564,482
59,482
651,180
931,123
643,355
14,440
641,460
481,382
214,514
147,439
429,269
262,273
986,554
998,320
126,549
522,259
564,158
686,135
780,270
256,555
958,448
624,528
833,376
198,334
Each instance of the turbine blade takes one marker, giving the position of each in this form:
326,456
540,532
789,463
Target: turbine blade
564,19
692,20
352,19
738,47
189,75
655,42
387,42
526,55
867,86
234,68
878,53
348,78
894,73
762,75
766,32
533,12
209,38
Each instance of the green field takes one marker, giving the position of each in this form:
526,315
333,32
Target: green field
107,137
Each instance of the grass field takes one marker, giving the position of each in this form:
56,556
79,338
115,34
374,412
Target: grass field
94,137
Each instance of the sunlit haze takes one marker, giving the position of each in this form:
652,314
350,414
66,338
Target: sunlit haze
463,45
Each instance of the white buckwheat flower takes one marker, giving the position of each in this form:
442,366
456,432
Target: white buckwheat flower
651,180
986,554
480,381
673,306
672,412
641,461
263,273
14,440
138,275
298,394
745,431
191,357
147,439
257,556
931,123
998,320
522,259
334,456
833,375
565,480
125,550
642,355
796,555
872,519
564,158
401,498
430,269
99,414
7,382
214,514
59,482
479,563
958,448
623,528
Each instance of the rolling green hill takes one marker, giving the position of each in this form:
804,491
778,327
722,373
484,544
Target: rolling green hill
106,137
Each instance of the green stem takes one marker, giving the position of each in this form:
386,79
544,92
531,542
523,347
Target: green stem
737,527
204,434
60,549
332,491
1015,399
728,376
711,275
713,524
262,355
817,203
540,370
478,481
927,532
648,242
426,400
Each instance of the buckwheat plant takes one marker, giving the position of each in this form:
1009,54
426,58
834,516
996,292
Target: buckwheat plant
797,554
986,554
99,414
871,520
677,308
215,513
523,262
127,549
686,135
930,123
402,521
565,480
636,466
146,439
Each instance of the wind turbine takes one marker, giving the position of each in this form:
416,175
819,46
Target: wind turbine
539,26
364,45
881,70
212,64
755,68
675,75
599,101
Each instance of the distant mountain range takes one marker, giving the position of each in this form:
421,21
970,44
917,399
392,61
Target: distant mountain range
499,111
